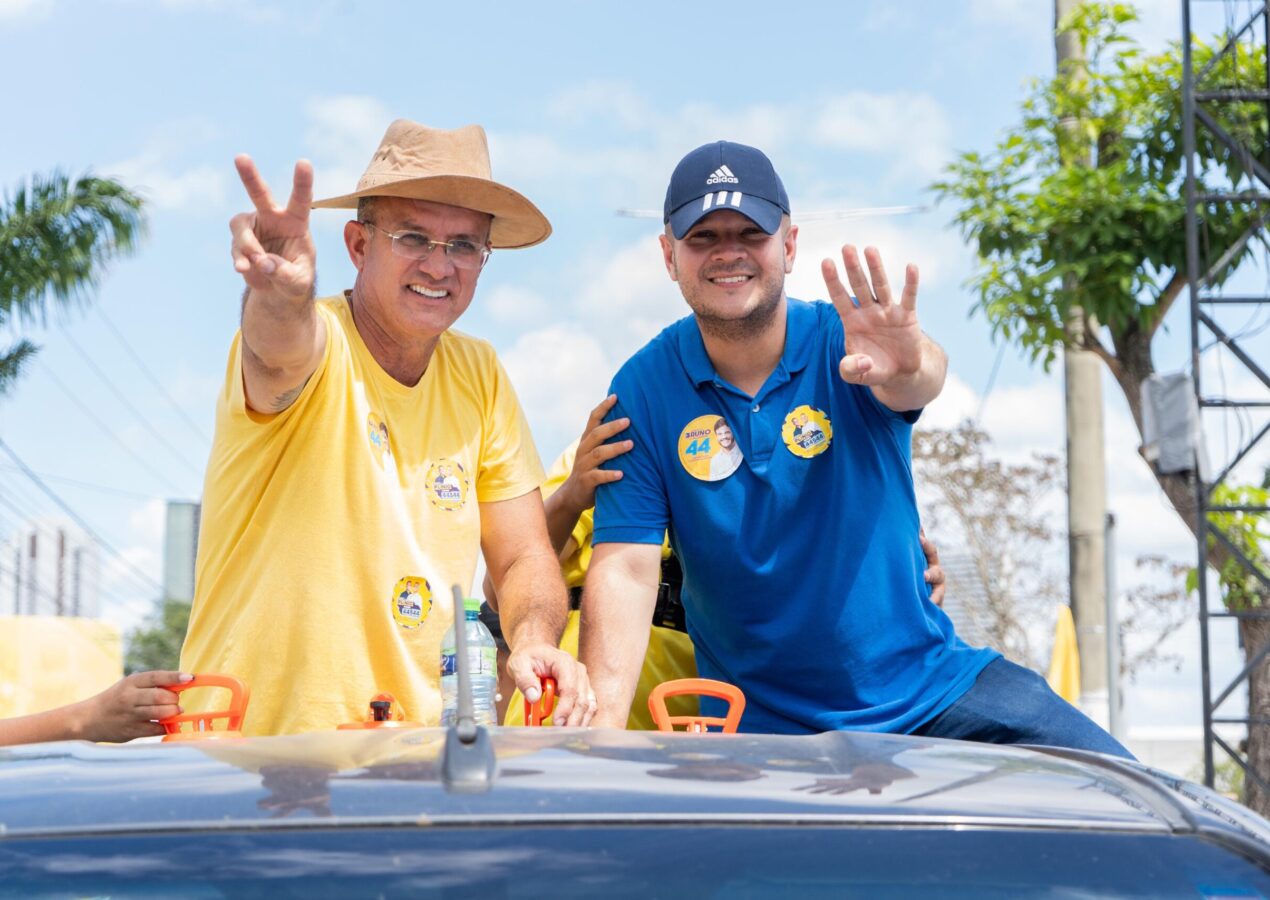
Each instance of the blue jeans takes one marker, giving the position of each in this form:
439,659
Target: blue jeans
1009,704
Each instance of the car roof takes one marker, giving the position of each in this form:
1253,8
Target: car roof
556,775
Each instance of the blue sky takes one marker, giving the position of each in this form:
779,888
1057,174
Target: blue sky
588,106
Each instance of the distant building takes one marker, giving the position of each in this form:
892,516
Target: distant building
965,597
180,547
49,567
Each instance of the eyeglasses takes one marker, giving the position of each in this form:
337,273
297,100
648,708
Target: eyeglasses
463,253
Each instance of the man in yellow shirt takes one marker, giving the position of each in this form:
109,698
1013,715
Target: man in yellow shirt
365,452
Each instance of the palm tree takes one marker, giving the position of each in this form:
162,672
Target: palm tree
56,237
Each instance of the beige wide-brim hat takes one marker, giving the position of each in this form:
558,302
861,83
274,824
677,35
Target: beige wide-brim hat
421,163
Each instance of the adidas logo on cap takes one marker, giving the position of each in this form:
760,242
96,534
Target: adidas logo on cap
723,175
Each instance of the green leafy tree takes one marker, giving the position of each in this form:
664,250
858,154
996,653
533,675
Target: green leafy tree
157,645
1108,238
57,235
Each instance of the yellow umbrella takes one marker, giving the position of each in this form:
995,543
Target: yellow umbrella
1064,675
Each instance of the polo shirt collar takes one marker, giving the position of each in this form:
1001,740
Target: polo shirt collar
800,331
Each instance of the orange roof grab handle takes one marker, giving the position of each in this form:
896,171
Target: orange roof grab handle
383,712
539,713
201,723
706,687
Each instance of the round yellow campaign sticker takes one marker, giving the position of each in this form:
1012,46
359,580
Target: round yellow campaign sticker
377,434
447,484
708,449
411,601
807,432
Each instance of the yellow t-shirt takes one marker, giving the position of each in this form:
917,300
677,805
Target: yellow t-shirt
333,531
670,654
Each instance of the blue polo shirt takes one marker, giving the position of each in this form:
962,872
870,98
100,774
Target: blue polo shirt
802,567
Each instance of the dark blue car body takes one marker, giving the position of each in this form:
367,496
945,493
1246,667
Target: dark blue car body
611,814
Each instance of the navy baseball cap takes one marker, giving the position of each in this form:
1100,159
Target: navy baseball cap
724,175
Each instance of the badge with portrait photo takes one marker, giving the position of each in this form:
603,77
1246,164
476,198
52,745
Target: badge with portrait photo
411,601
377,434
447,484
708,450
806,432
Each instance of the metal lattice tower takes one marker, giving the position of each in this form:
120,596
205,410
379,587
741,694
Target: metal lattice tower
1208,96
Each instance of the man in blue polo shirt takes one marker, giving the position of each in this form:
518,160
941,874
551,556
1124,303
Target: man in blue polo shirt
802,565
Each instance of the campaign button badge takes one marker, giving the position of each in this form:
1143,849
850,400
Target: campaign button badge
708,449
807,431
411,601
447,484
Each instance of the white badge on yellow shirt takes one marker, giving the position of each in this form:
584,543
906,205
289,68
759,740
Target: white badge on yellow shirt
447,484
411,601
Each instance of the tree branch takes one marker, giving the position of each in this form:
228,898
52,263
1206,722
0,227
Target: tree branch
1165,302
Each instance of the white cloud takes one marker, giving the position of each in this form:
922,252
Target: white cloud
1010,12
342,134
1160,23
627,298
160,174
251,10
30,9
911,128
560,373
595,102
512,305
938,252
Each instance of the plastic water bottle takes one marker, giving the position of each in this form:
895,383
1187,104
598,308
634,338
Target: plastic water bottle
482,654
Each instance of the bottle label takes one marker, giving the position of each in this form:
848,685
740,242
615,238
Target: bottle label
484,662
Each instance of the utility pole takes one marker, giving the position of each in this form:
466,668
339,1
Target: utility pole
1086,467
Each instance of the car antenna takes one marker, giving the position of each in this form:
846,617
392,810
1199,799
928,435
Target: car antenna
468,764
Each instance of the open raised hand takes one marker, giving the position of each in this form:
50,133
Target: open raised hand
883,339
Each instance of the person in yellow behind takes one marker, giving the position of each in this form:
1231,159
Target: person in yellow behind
569,499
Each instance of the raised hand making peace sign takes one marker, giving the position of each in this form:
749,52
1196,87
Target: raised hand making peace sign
272,247
885,347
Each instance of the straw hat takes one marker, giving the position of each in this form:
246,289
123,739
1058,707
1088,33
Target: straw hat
421,163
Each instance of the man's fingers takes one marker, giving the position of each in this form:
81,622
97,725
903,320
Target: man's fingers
256,188
246,248
855,275
855,368
301,190
838,292
908,299
877,272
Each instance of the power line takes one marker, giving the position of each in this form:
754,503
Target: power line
144,419
104,488
77,519
26,520
136,358
106,428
